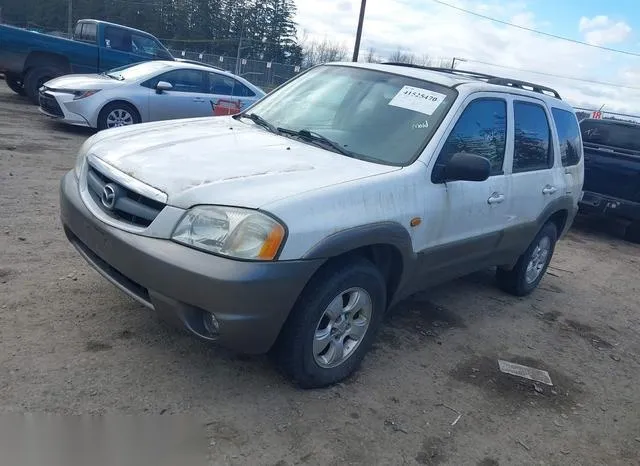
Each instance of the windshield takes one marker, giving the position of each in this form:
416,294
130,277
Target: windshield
137,71
377,116
611,133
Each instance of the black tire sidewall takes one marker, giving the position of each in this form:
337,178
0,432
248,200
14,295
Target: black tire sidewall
15,84
102,116
33,78
312,304
523,287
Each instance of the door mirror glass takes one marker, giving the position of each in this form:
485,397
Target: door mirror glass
466,167
163,86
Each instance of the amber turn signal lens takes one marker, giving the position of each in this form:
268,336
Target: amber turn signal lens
272,243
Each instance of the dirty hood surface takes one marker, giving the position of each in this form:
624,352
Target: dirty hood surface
83,82
224,161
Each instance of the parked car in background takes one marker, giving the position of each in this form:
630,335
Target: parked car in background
150,91
612,172
294,226
29,59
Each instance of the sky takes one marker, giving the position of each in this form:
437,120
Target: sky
428,28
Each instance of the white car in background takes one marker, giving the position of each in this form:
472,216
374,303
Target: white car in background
150,91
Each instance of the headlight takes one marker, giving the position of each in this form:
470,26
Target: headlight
77,95
231,231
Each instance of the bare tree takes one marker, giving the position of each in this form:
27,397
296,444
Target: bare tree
401,56
316,52
371,56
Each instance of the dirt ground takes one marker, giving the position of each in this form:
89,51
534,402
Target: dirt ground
71,343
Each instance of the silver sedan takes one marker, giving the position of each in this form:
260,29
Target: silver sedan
150,91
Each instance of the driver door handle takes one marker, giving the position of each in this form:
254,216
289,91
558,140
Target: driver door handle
496,198
548,189
198,99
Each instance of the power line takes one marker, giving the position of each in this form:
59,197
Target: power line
573,78
524,28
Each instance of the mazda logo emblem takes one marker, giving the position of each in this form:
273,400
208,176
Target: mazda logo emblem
108,196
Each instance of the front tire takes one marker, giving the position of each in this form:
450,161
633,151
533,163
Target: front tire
532,265
15,84
333,324
117,114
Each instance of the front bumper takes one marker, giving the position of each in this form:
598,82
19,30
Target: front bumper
606,206
58,105
250,300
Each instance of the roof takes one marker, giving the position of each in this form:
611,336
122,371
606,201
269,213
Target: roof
107,23
470,80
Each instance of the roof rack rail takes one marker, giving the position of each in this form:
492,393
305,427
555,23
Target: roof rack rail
490,79
525,85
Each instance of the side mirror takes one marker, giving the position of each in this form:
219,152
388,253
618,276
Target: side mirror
466,167
163,86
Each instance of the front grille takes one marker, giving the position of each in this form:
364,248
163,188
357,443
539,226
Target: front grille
128,206
49,104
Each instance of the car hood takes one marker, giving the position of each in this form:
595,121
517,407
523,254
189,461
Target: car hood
219,160
83,82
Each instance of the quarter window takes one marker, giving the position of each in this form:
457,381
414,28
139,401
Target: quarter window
532,149
569,136
480,130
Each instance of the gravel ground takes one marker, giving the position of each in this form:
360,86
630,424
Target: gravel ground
71,343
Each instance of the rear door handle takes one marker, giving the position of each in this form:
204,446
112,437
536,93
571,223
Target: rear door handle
548,189
198,99
496,198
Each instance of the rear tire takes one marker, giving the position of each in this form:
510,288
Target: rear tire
315,349
117,114
36,77
532,265
15,84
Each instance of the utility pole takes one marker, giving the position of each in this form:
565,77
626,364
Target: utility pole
70,19
453,62
237,71
356,48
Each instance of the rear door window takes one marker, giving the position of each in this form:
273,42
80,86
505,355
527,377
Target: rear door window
225,85
532,148
568,135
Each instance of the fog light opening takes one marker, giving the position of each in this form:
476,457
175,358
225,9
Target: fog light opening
210,323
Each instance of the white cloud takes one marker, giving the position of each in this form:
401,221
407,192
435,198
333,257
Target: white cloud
607,33
600,21
601,30
438,31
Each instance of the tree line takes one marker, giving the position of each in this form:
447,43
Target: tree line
265,29
262,29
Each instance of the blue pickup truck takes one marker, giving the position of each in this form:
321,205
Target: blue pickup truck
612,172
28,59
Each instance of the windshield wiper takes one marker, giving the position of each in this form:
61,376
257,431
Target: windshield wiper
257,119
312,136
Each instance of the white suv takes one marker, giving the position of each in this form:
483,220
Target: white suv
294,226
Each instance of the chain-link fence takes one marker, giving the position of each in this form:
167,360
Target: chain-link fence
264,74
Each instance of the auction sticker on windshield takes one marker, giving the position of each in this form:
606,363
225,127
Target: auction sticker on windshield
417,99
